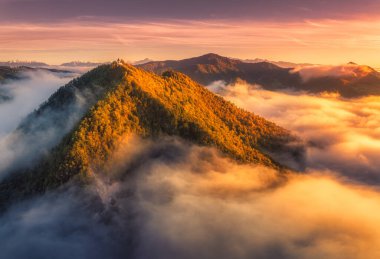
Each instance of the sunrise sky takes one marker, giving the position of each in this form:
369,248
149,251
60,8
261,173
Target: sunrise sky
323,32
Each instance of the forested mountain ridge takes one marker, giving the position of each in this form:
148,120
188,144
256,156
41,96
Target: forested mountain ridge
136,102
350,81
212,67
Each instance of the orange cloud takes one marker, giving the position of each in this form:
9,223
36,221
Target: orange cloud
321,41
343,135
349,70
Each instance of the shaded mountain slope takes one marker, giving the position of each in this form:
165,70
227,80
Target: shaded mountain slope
140,103
209,68
212,67
45,127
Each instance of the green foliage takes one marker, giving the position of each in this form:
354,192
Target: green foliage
148,105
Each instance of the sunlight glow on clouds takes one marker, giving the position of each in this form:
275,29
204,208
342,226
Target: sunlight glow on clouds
342,135
196,204
316,41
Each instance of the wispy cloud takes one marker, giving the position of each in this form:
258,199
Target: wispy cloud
315,41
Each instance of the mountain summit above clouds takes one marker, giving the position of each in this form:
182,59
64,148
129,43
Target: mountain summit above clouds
349,80
118,101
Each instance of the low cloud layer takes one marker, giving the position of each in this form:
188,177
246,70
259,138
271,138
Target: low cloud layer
349,70
342,135
16,147
26,95
170,199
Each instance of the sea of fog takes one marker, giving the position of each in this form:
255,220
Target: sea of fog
180,200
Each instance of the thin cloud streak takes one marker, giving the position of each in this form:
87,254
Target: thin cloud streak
289,10
313,41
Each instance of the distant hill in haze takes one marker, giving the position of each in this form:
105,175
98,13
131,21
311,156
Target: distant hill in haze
350,80
80,64
23,63
119,100
211,67
7,72
143,61
15,73
283,64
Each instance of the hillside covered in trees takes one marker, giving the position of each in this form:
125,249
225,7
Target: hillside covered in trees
125,100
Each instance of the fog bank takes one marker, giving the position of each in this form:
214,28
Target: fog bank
343,135
171,199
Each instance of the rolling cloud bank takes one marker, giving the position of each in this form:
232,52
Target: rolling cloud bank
172,199
18,148
342,135
26,95
348,70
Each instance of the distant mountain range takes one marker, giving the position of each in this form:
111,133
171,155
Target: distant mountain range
350,80
92,64
23,63
283,64
14,73
143,61
35,64
209,68
117,100
80,64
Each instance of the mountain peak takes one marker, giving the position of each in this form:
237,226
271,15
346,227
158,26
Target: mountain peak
131,101
211,56
211,67
348,80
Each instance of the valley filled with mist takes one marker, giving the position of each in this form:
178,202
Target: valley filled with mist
124,163
176,129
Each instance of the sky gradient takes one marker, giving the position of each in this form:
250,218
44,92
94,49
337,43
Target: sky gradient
324,32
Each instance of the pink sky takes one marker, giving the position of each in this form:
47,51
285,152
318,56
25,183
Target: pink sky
323,41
